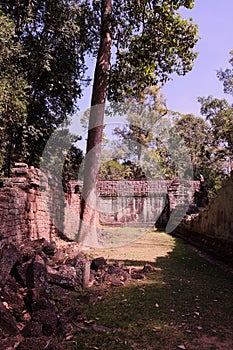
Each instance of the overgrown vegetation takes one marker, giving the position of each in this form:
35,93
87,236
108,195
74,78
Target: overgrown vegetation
44,50
150,141
45,63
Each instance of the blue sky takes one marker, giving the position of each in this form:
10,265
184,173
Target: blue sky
214,19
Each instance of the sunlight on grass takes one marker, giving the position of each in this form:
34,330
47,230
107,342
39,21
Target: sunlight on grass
184,302
151,245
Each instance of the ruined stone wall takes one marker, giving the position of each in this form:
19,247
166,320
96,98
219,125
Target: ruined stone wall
24,213
128,202
212,228
131,202
141,202
34,206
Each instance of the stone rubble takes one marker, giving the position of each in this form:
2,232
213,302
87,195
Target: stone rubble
35,281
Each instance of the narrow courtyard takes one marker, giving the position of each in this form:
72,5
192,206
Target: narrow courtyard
184,303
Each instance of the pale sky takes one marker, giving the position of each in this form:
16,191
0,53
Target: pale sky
215,22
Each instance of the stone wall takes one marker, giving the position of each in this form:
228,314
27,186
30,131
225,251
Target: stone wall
23,212
34,206
212,228
141,202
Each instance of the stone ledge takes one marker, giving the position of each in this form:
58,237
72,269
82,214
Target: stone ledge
220,248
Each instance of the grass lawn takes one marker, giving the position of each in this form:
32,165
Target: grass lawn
186,303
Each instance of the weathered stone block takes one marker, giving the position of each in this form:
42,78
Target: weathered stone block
65,276
9,255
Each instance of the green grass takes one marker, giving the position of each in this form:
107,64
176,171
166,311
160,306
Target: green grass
185,301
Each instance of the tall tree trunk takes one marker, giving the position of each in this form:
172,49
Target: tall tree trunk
89,217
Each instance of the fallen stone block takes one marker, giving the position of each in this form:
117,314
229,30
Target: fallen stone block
64,276
22,272
82,267
9,256
12,294
98,264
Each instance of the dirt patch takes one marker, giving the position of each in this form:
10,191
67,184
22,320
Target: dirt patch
212,343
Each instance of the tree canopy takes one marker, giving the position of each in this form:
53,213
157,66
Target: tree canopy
13,97
53,38
149,41
219,114
148,38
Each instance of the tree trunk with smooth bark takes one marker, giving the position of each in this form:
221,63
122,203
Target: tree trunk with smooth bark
89,215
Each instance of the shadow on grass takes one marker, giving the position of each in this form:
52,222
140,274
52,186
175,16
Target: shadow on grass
185,298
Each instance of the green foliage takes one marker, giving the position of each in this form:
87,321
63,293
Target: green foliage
220,117
197,137
219,114
226,76
143,120
199,140
72,164
13,97
45,60
151,42
53,38
210,141
112,170
144,142
157,143
61,158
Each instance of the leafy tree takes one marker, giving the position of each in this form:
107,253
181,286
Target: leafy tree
219,114
142,140
226,76
112,170
54,37
150,41
72,164
143,117
197,137
13,98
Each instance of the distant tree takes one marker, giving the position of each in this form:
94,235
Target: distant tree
199,140
72,164
219,113
112,170
226,76
141,144
197,136
142,124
